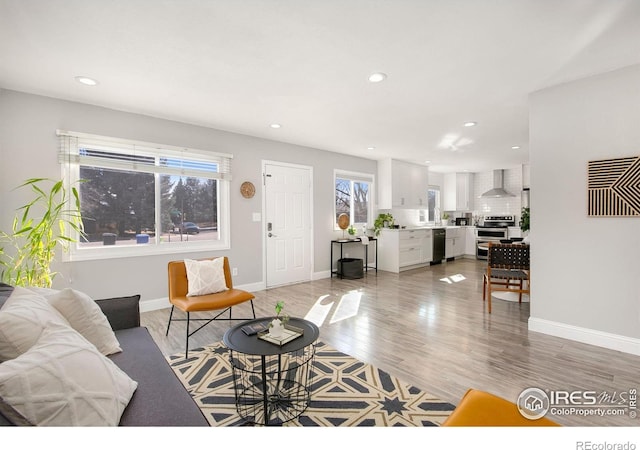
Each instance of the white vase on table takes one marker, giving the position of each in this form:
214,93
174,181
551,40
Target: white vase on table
276,329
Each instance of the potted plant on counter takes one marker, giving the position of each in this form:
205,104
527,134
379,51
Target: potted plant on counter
383,220
524,220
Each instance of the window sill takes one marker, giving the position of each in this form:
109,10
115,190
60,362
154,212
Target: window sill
138,250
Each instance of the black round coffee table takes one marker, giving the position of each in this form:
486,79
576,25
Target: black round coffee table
272,382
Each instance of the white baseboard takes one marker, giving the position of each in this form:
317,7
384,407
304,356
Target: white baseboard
252,287
321,275
153,304
588,336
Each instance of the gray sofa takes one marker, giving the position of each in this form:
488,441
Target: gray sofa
160,399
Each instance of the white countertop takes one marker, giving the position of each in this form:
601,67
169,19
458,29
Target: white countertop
428,227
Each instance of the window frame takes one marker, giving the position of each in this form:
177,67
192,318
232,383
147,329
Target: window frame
70,166
354,177
438,206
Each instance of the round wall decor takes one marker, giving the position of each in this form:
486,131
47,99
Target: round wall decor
247,189
343,221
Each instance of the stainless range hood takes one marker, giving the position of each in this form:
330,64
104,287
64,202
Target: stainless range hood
498,186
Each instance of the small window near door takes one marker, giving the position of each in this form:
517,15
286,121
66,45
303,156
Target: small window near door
353,193
433,202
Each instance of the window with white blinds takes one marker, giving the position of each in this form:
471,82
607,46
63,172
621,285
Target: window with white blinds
139,198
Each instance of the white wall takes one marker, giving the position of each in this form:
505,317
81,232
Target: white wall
585,270
29,149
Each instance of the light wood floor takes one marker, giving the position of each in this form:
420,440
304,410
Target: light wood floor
436,336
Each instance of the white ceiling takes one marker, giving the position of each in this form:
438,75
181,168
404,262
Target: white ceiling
240,65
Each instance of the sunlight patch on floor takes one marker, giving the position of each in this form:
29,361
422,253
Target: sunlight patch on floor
347,307
454,278
319,312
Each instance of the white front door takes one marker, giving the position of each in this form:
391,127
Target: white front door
288,223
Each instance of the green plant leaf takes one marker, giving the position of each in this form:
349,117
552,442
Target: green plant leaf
33,240
279,307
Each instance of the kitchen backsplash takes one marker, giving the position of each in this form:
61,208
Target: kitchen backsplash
407,217
483,181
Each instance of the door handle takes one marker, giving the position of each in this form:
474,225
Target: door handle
271,235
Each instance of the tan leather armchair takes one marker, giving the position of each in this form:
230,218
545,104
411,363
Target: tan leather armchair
179,286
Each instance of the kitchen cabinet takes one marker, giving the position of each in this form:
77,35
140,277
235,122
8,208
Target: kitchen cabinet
458,192
448,248
404,249
455,238
470,241
526,176
402,184
514,232
427,247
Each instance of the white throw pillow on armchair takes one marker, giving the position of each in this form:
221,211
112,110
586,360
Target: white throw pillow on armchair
205,277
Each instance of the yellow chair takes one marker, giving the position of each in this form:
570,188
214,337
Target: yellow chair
179,286
481,409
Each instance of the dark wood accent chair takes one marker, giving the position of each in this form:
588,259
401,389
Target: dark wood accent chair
507,270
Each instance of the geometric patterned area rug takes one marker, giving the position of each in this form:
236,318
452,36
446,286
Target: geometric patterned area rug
345,392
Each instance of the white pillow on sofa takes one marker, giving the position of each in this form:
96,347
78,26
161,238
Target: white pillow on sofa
85,316
22,320
205,277
63,380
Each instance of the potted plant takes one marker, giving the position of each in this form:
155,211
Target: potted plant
352,230
383,220
445,217
47,222
276,327
524,220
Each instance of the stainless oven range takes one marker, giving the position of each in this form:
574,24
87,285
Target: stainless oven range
493,228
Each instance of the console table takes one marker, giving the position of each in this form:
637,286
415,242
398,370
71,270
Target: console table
272,383
342,242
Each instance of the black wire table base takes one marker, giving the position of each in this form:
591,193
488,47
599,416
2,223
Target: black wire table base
272,389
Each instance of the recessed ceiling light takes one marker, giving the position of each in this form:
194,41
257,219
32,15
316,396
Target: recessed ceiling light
470,124
377,77
275,125
86,81
515,147
371,148
427,162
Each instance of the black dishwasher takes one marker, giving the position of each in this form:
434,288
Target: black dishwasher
439,235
